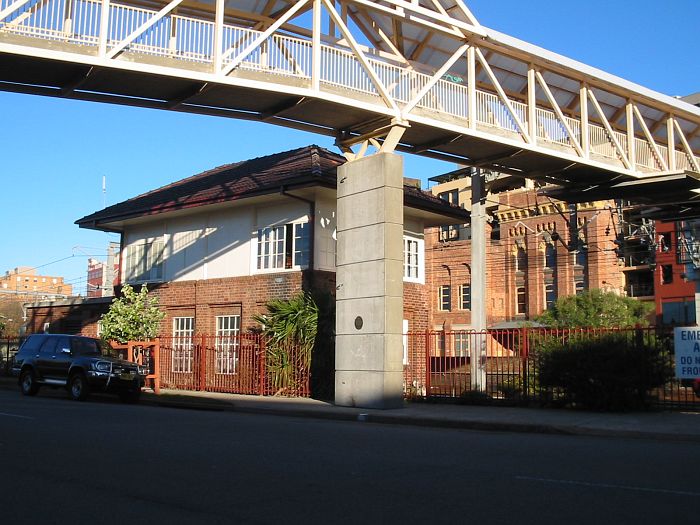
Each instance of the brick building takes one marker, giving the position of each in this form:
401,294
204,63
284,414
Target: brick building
675,273
26,284
537,250
217,246
101,274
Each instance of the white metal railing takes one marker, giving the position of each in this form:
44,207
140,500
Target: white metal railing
550,128
341,68
83,24
39,18
491,111
192,39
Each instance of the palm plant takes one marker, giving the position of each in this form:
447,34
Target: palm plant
290,327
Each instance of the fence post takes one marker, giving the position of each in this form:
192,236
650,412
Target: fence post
427,363
203,363
261,365
156,366
525,360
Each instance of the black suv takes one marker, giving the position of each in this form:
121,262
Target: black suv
76,363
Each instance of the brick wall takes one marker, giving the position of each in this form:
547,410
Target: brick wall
77,316
525,222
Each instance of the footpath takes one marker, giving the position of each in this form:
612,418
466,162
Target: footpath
659,425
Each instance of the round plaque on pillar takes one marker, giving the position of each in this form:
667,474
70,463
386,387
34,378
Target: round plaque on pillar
358,322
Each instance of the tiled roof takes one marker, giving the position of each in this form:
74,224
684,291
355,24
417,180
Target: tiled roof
307,166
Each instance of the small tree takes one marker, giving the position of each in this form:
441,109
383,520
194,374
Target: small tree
11,317
596,308
132,317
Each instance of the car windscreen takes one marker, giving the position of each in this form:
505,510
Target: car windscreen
85,346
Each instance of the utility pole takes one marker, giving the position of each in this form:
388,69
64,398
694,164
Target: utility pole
478,283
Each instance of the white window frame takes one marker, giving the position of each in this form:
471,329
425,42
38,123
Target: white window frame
183,345
152,256
461,337
413,260
461,296
228,329
271,247
441,289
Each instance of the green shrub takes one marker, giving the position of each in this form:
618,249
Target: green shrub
611,372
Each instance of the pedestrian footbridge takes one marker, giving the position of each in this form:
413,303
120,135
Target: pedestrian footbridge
422,76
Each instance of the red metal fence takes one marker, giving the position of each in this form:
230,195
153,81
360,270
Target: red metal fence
237,364
439,364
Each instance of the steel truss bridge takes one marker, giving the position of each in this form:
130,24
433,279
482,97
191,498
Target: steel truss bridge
421,76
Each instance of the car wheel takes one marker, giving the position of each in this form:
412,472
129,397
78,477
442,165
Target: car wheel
78,388
130,397
28,384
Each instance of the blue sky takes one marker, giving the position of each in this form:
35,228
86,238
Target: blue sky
55,152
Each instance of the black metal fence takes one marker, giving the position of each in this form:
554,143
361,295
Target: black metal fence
8,349
439,365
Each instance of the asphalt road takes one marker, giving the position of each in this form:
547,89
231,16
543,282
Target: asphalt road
103,462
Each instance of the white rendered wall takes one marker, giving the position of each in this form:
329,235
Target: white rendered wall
325,234
221,243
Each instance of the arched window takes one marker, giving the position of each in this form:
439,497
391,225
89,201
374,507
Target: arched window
580,271
521,260
521,281
550,274
550,257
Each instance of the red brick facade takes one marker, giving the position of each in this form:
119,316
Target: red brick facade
539,234
674,292
205,300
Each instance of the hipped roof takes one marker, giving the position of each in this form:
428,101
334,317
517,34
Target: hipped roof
299,168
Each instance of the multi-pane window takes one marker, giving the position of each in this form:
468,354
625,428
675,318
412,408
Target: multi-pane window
461,340
445,297
144,261
411,259
228,329
580,271
440,344
550,257
183,347
284,247
521,281
302,244
521,293
550,292
550,275
521,260
449,233
465,296
666,274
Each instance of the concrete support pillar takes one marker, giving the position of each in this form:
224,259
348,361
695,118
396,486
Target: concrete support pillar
478,225
369,276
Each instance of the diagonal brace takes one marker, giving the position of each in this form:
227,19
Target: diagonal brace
436,77
502,95
559,113
142,29
261,38
608,128
650,139
361,56
12,8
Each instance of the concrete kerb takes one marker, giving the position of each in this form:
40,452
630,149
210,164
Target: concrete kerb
455,417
